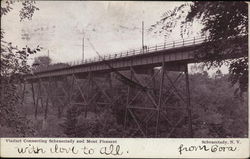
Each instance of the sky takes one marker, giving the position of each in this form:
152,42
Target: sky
112,27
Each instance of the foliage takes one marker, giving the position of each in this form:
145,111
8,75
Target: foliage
219,113
102,124
220,21
70,124
239,73
13,66
216,112
26,12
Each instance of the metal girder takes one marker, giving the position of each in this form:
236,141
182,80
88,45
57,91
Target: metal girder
90,93
58,100
186,101
159,105
132,108
145,108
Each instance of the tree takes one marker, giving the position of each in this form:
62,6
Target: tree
220,21
217,112
41,62
13,66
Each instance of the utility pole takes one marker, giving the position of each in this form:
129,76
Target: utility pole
82,34
143,35
165,38
83,48
48,53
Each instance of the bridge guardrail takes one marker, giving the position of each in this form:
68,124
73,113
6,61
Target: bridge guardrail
145,50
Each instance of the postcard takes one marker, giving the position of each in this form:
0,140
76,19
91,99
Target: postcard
124,79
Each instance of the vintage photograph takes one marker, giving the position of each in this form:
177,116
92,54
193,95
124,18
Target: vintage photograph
124,69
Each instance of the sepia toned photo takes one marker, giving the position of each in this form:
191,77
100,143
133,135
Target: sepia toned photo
124,69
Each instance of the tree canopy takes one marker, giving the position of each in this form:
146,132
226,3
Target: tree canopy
13,65
14,59
220,21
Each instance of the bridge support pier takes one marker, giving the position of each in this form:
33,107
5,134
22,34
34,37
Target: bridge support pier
151,108
58,94
92,92
43,95
156,111
141,105
189,109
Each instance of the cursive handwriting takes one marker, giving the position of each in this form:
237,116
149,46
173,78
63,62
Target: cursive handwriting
88,151
57,149
109,150
212,148
30,149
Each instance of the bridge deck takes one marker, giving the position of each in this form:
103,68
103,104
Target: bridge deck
171,53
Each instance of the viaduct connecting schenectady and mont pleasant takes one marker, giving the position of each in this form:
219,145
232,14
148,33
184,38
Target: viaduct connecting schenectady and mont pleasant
92,80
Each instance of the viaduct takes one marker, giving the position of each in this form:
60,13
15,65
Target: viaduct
146,102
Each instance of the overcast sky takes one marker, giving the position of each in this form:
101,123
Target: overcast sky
112,27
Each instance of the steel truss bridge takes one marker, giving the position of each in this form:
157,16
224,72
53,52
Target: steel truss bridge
91,84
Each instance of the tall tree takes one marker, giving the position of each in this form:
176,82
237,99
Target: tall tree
220,21
13,65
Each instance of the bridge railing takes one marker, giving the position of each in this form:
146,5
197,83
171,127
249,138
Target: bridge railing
144,50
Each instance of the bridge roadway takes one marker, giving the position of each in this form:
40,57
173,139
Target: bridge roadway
172,54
